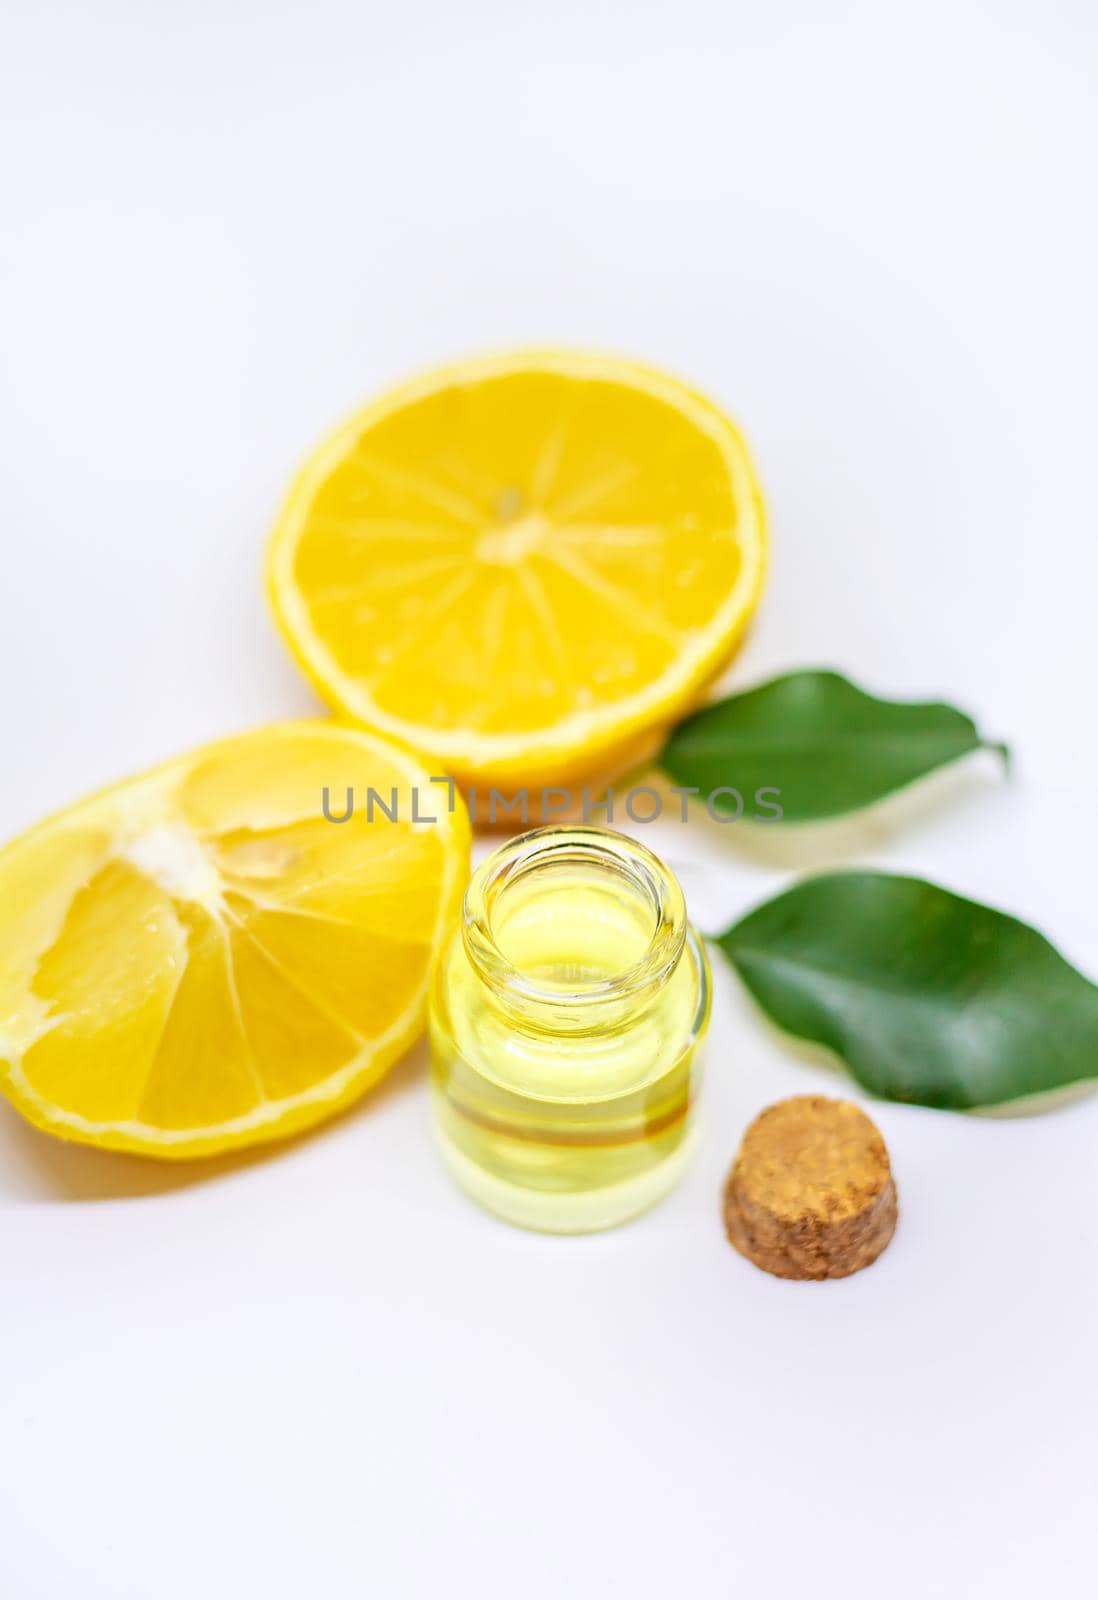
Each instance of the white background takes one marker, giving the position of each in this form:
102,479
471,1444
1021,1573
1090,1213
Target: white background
868,230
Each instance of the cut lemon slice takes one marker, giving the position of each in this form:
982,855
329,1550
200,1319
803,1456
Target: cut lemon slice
200,959
524,564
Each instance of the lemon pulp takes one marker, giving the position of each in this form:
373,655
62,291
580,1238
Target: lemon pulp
524,564
197,960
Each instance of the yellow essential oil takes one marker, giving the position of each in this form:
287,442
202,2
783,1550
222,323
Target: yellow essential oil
566,1014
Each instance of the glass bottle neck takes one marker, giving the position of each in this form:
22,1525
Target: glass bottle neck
573,929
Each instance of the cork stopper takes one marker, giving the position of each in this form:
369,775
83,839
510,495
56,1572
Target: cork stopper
811,1192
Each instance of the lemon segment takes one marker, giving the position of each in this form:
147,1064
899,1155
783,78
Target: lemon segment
522,564
197,959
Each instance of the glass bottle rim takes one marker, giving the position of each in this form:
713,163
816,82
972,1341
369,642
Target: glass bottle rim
602,850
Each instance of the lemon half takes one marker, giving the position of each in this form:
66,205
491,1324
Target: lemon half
198,959
522,565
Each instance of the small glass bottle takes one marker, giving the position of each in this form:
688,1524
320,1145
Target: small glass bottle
566,1014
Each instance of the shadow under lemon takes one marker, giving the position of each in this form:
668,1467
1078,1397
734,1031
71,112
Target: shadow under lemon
39,1168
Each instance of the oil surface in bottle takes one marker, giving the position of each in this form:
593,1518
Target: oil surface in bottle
565,1022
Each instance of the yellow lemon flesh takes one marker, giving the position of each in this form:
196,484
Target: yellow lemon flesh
524,564
198,959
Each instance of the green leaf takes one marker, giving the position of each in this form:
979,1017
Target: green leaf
926,996
825,745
